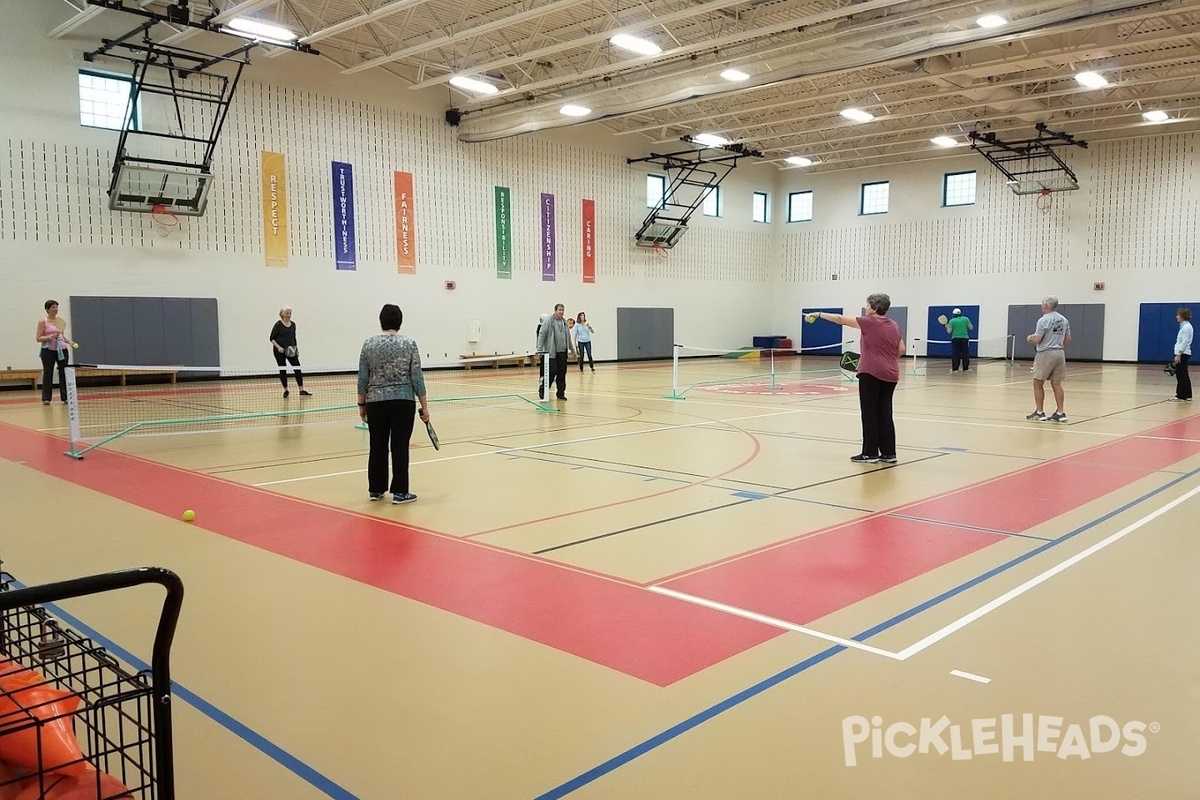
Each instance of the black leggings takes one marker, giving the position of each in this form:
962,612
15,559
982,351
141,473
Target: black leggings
879,431
49,359
390,423
295,362
1183,381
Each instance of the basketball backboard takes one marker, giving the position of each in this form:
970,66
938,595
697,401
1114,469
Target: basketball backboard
141,188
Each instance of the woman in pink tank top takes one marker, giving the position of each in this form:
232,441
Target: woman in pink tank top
52,336
882,347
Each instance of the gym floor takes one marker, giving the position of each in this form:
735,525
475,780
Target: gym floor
637,597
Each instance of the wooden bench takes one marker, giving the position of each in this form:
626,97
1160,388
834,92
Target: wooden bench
495,360
34,376
23,375
121,375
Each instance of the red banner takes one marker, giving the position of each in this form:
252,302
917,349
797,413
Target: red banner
406,225
589,241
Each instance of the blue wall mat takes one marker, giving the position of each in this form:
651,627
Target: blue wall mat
936,331
1157,329
821,333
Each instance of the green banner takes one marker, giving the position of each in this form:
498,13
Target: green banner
504,257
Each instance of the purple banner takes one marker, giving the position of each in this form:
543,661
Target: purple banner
548,258
344,246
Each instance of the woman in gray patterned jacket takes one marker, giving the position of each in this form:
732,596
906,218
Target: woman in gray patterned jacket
390,383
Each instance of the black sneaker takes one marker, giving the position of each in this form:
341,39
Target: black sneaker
286,393
1057,416
401,499
887,459
561,396
861,459
376,496
305,394
1037,416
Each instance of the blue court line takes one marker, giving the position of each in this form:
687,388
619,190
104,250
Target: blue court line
621,759
255,740
751,495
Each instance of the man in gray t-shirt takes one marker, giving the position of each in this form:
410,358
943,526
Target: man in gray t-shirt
1052,335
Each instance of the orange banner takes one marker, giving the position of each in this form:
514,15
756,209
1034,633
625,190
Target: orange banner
406,225
589,241
274,204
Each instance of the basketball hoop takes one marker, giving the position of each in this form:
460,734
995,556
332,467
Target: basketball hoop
165,222
1045,201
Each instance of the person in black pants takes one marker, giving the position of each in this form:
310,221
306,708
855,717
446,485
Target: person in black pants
555,342
390,383
283,342
1183,354
52,336
878,372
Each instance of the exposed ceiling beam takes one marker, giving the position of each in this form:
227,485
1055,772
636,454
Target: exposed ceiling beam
1073,16
74,22
467,33
384,11
679,52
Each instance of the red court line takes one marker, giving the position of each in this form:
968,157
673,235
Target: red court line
611,623
809,578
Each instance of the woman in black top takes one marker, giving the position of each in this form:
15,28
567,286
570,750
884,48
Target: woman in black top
283,342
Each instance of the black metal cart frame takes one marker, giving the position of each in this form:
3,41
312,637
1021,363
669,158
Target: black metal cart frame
125,716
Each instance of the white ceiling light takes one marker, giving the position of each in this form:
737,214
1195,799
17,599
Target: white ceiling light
991,21
735,75
633,44
945,141
473,85
253,27
1092,80
574,111
857,114
799,161
710,140
1156,115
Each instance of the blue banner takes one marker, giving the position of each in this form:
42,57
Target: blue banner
343,216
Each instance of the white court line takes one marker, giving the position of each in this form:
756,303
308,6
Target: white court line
1027,379
540,445
1027,426
963,621
970,676
775,623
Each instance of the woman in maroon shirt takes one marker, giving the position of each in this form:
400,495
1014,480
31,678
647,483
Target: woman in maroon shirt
878,373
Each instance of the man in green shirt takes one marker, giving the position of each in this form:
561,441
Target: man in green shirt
959,328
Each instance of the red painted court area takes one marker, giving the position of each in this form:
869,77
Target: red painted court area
806,579
612,622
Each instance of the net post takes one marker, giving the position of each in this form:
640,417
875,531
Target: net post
75,429
675,393
915,369
774,376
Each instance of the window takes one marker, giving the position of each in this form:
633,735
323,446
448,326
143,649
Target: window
874,198
711,207
760,210
800,207
104,100
656,190
958,189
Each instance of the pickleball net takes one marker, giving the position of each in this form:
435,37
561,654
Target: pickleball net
999,350
695,368
110,402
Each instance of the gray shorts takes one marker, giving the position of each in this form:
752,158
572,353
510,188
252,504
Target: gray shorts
1050,365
